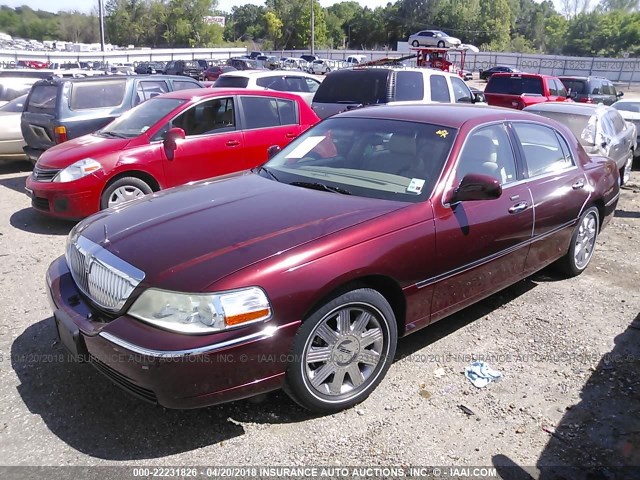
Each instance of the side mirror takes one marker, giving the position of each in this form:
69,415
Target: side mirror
573,95
477,187
272,151
619,94
171,138
478,97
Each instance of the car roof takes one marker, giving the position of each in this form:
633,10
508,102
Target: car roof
522,74
200,93
448,115
390,68
99,78
574,108
263,73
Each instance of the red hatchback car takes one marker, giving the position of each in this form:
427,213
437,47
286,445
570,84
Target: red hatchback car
168,140
304,273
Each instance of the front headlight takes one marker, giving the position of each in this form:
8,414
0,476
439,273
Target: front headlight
201,312
80,169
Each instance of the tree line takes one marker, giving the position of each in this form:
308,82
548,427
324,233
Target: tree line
581,28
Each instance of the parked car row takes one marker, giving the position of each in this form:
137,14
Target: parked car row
371,225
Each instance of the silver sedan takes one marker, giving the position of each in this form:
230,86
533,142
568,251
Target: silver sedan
11,140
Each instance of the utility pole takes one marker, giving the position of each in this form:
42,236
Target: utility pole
101,20
313,30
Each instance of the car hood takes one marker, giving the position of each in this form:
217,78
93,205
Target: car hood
88,146
189,237
627,115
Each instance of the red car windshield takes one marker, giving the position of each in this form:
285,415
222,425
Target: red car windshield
376,158
141,118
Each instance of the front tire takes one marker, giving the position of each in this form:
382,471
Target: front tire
342,352
441,44
123,190
583,242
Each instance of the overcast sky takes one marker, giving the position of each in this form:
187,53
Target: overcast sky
87,6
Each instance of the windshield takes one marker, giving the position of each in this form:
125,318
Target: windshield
375,158
141,118
15,105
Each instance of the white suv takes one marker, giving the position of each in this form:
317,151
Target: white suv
300,83
357,87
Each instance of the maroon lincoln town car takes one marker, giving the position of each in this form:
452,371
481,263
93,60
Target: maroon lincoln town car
303,273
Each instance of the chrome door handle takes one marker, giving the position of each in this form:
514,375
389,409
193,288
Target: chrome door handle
578,184
518,207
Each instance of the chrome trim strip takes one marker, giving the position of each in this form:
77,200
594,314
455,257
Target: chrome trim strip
262,335
482,261
616,197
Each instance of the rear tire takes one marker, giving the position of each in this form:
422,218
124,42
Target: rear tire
415,43
583,243
123,190
342,352
441,44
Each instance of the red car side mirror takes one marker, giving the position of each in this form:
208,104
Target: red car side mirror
171,138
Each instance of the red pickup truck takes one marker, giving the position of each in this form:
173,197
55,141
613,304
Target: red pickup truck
519,90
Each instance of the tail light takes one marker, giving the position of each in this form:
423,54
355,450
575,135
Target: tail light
586,100
60,134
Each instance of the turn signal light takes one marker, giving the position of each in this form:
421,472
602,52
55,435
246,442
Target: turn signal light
60,134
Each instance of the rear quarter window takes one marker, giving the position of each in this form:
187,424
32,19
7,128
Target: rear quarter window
42,99
89,95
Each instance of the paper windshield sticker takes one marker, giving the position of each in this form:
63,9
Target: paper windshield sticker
442,133
415,186
305,147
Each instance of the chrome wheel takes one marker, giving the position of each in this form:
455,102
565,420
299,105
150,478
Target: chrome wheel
585,240
344,350
124,194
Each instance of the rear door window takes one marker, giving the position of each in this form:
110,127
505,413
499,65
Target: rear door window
542,149
262,112
409,86
439,89
562,92
104,94
42,99
184,85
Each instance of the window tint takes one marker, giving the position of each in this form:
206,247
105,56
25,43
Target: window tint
488,151
212,116
596,86
232,81
542,150
42,99
295,84
461,92
149,89
97,94
262,112
274,82
184,85
514,85
439,89
576,86
607,88
354,86
553,88
409,86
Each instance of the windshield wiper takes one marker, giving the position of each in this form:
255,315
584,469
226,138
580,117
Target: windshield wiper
267,171
321,186
114,134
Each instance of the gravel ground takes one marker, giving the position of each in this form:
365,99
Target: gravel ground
569,396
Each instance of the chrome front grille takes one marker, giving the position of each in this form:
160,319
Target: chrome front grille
105,278
44,174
